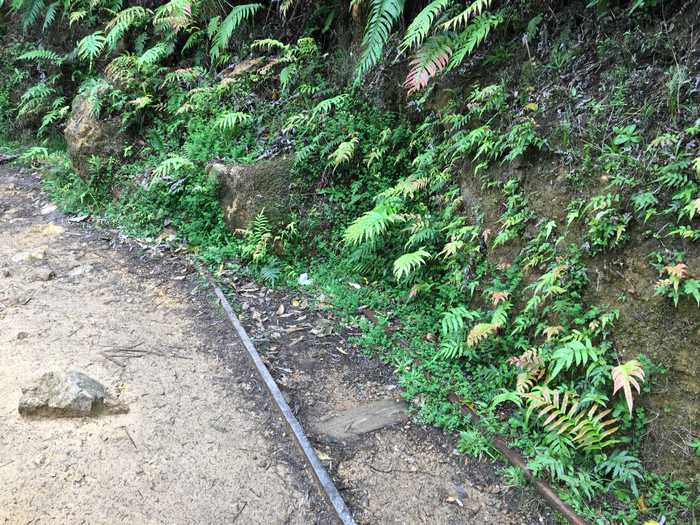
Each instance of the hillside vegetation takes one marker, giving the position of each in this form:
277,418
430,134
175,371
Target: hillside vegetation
503,196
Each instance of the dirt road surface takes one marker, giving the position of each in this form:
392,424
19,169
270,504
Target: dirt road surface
200,443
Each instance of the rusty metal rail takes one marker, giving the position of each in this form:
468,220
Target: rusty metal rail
321,475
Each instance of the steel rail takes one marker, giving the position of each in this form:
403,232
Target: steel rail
321,475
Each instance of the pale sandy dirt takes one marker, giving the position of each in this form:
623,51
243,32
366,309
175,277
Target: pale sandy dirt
200,443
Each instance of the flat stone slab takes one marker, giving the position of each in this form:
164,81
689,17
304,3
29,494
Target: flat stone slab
361,420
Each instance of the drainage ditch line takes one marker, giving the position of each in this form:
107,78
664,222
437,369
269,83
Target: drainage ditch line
323,479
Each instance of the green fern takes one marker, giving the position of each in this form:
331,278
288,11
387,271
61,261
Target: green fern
462,19
91,46
172,165
58,112
233,120
587,428
174,16
453,320
154,54
423,23
50,15
575,352
382,17
36,98
410,262
224,31
472,37
42,55
258,238
371,225
343,153
329,104
123,21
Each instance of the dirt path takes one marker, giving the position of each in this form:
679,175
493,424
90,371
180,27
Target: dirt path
200,443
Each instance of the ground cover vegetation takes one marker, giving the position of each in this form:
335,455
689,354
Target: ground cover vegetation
465,170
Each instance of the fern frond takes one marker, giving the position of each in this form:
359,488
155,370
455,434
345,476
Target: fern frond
174,15
153,55
624,377
431,59
232,120
32,10
123,21
258,238
499,318
344,152
371,225
475,8
480,332
382,17
40,55
453,320
50,15
410,262
423,23
329,104
172,165
285,6
472,37
183,76
76,16
141,102
451,348
563,415
407,187
452,248
575,352
223,33
90,47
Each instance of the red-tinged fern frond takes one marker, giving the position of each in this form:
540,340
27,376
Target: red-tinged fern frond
625,377
480,332
527,379
529,360
552,331
679,271
430,60
497,297
531,368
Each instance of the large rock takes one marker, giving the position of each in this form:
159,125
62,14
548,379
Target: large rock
244,191
70,394
88,135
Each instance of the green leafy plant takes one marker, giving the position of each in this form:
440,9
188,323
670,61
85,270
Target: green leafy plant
678,282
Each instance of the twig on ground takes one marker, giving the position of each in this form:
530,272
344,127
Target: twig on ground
245,504
126,431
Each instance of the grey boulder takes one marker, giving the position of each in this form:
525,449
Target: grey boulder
68,394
